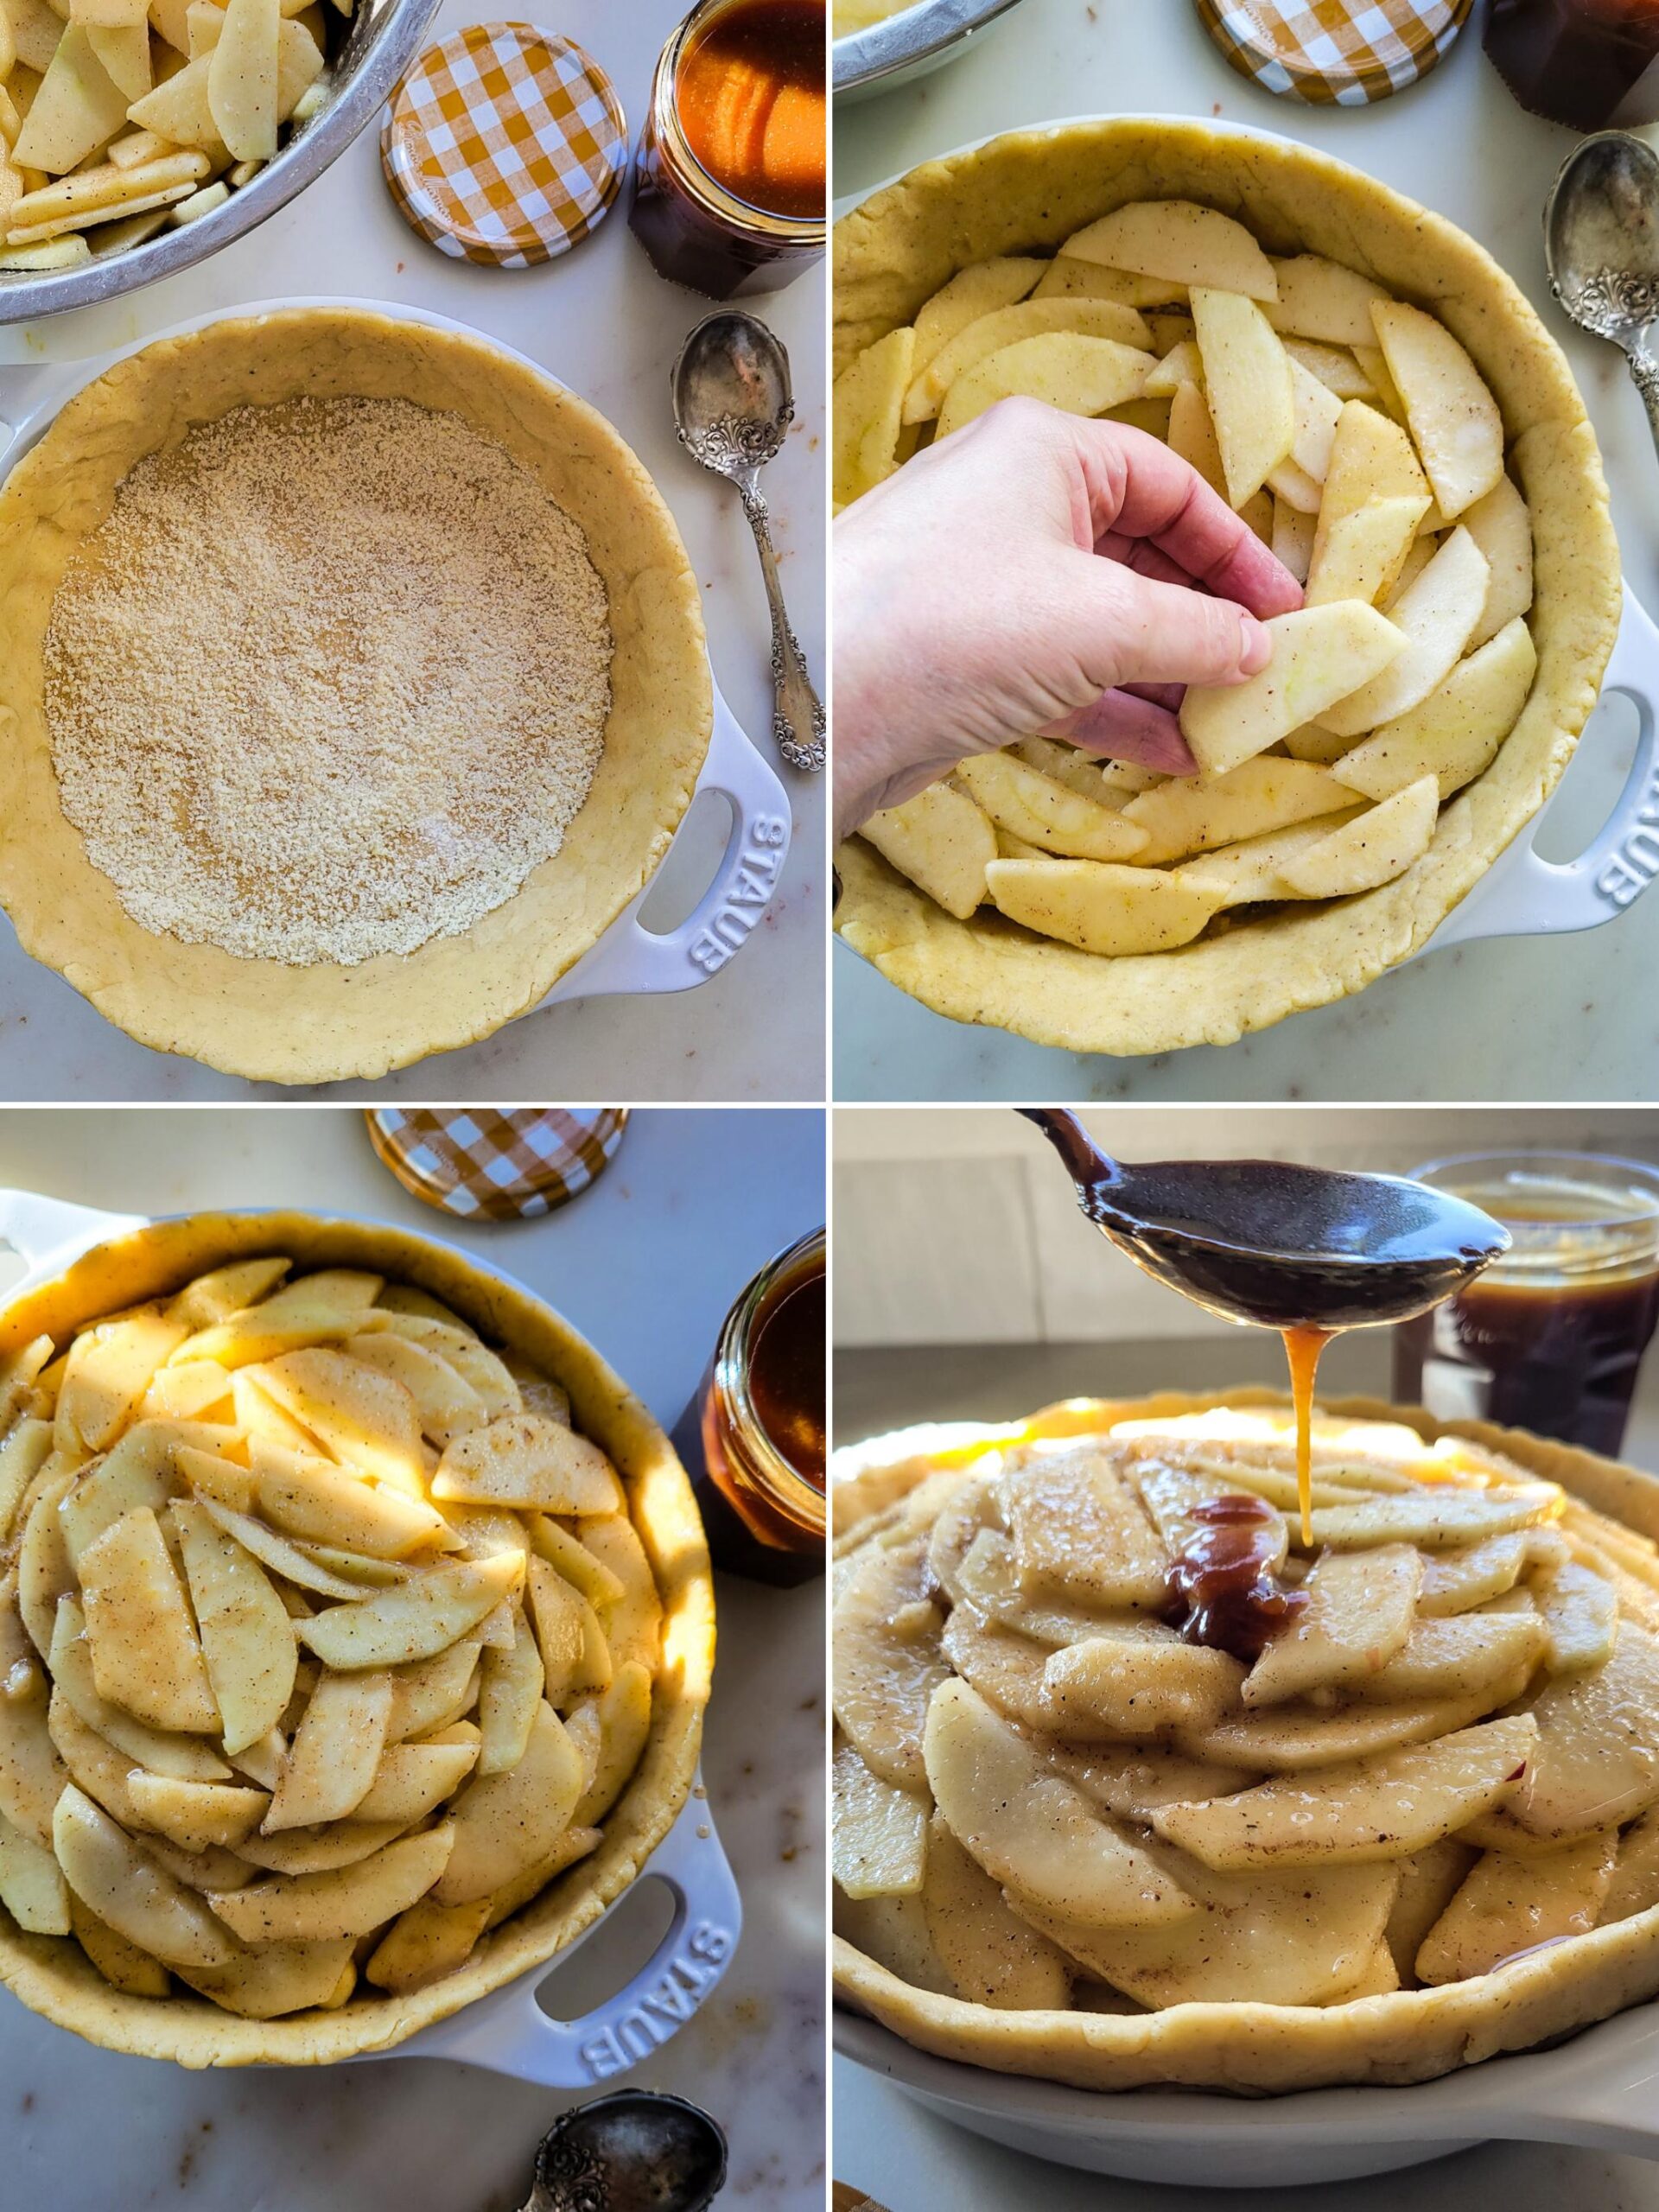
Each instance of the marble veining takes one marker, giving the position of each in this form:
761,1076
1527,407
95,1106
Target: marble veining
602,319
1563,1017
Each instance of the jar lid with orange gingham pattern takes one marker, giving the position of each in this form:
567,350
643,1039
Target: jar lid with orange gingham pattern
1345,53
487,1165
505,145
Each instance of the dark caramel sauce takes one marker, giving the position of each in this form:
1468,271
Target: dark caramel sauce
1225,1578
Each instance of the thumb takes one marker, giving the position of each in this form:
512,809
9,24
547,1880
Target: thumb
1128,628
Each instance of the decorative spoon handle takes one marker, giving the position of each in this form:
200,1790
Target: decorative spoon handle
1644,373
797,720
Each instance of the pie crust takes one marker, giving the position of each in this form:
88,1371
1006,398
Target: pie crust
1250,2048
51,1974
1030,189
263,1019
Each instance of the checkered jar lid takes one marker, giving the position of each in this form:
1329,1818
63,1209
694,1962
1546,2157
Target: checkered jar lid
484,1164
1348,52
505,145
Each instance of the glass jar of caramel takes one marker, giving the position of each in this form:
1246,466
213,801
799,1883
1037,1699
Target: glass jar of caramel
1550,1338
730,174
754,1437
1584,63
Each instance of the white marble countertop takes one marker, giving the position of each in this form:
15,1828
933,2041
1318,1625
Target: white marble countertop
1525,1018
602,320
646,1264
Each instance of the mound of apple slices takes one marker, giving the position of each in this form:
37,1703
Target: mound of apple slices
1050,1789
1357,438
326,1640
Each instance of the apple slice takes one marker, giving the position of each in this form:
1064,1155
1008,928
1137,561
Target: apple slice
110,1368
1376,1808
991,1955
1317,410
1323,299
347,1902
247,1641
1372,849
1178,242
126,1887
505,1823
413,1779
316,1850
1578,1609
1251,870
1183,364
1461,1657
1501,526
1047,813
294,1562
1130,1688
187,1393
314,1308
1078,1528
123,1965
1003,1667
530,1464
888,1662
275,1979
445,1400
1361,554
1113,911
1372,460
977,290
185,1756
94,1765
1318,652
941,842
1358,1618
1435,1517
1289,1738
1192,434
1593,1768
138,1470
868,402
1456,732
880,1834
425,1943
415,1619
366,1418
483,1371
22,1455
77,108
1079,375
1452,416
987,1576
319,1501
434,1692
1069,277
1004,327
1438,612
510,1689
145,1653
1508,1905
195,1814
1182,817
32,1886
1292,542
580,1566
336,1752
1334,365
610,1732
1249,385
1457,1581
216,1295
1031,1831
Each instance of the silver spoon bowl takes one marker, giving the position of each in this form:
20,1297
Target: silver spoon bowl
636,2150
733,406
1601,240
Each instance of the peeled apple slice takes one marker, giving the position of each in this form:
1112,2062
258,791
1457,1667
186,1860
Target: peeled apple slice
350,1901
1180,240
417,1619
118,1882
880,1833
1318,655
1117,912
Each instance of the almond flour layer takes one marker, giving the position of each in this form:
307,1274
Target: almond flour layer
329,682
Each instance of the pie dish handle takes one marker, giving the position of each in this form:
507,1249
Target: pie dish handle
1525,895
630,957
509,2033
47,1233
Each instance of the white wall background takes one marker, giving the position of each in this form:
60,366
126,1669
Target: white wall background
958,1225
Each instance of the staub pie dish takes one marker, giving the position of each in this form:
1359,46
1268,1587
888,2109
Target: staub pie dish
1367,387
1411,1827
268,1460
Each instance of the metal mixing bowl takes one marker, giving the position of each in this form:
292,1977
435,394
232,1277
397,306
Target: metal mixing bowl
908,45
381,41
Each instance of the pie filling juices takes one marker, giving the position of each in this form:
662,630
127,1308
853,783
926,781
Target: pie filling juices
730,174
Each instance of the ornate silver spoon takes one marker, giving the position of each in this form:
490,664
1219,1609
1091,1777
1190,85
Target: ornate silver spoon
1601,240
732,407
637,2150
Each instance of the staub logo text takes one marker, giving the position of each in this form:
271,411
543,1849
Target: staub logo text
668,2004
749,893
1636,863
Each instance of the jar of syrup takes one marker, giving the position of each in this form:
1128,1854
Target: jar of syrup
1584,63
1550,1338
754,1437
730,174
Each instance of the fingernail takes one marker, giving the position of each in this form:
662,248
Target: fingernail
1255,644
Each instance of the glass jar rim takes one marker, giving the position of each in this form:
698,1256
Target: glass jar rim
1624,1230
737,1337
718,200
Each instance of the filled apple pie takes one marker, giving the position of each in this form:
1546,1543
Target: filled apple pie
1375,399
1134,1784
328,1643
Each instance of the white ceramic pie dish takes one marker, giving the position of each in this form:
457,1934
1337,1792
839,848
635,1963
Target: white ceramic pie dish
628,959
506,2030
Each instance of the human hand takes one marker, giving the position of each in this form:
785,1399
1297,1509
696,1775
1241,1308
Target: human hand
1036,572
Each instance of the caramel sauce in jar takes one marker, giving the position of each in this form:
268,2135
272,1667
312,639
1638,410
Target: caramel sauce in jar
753,1439
730,174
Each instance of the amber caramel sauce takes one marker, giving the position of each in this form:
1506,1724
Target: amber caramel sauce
1302,1349
1223,1575
750,94
786,1378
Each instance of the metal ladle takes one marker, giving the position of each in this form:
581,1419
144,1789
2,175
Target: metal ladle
636,2150
1277,1243
1601,241
732,408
